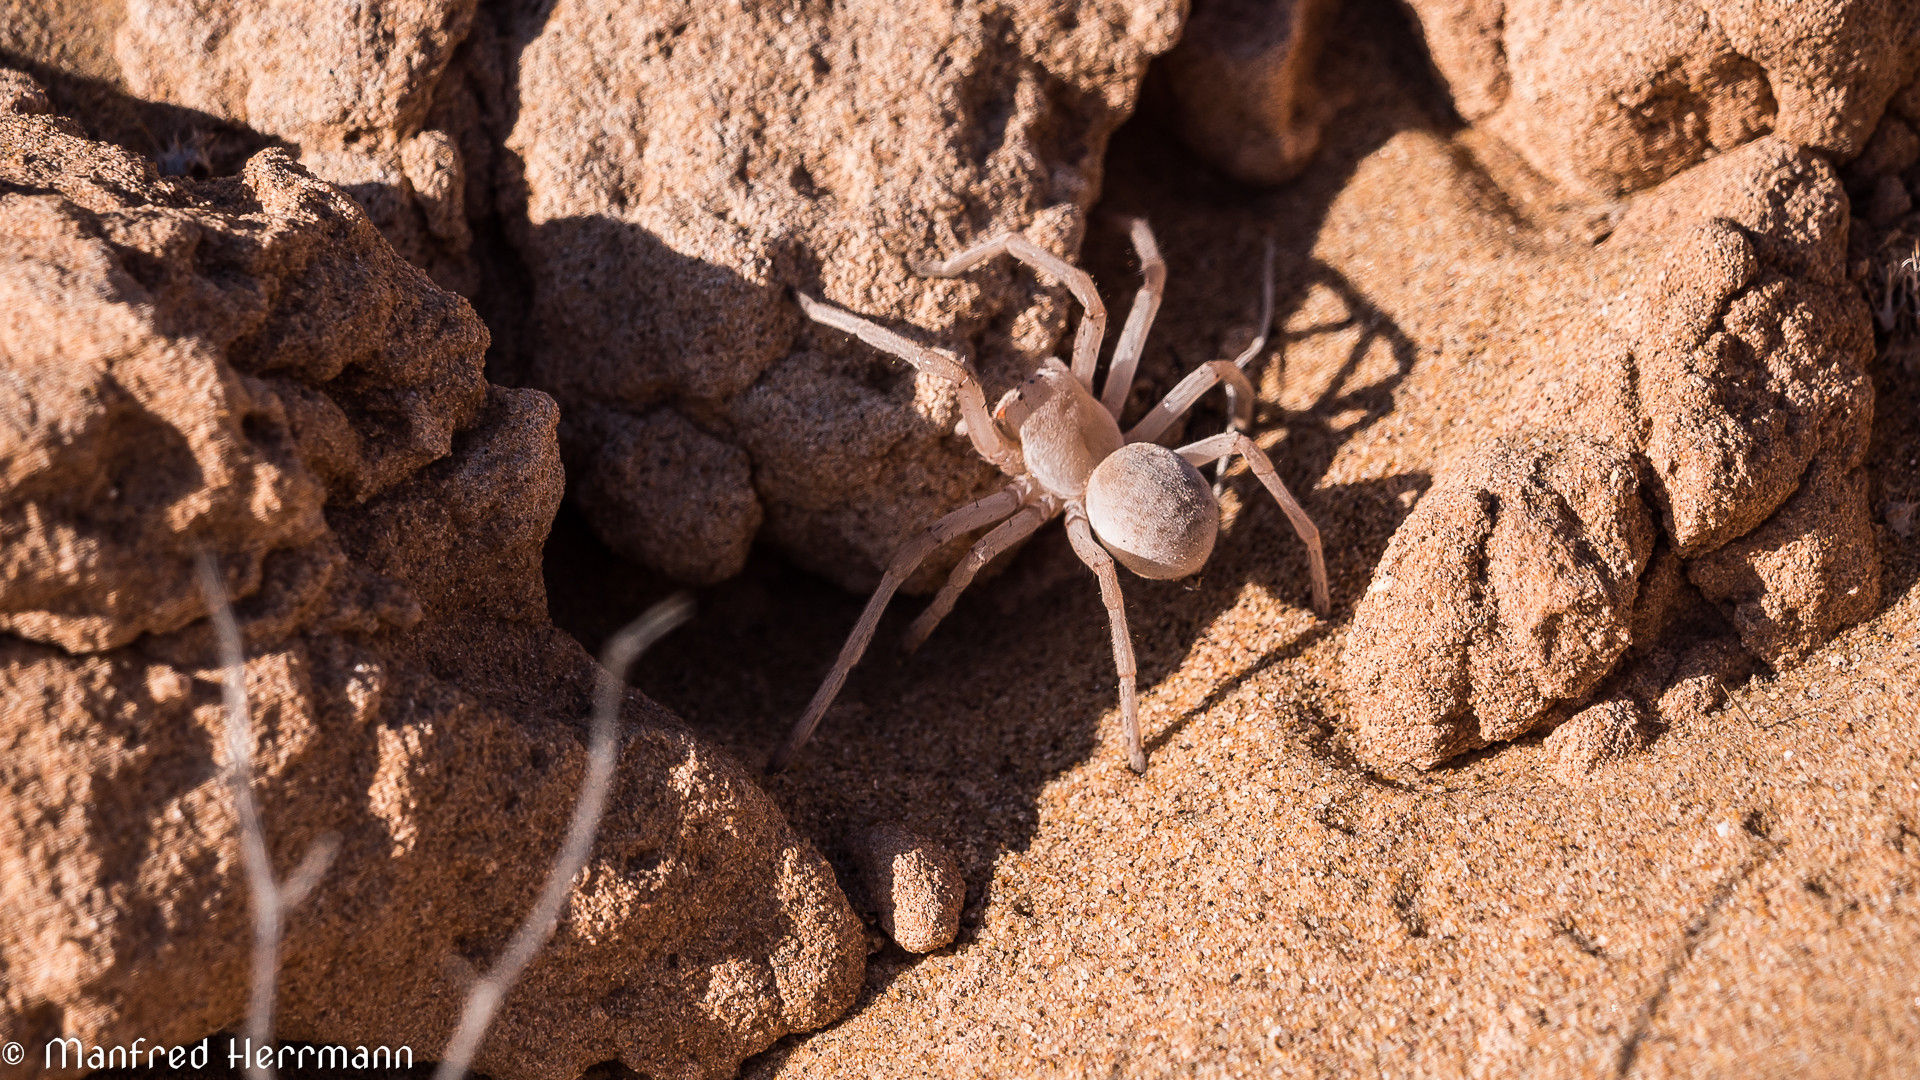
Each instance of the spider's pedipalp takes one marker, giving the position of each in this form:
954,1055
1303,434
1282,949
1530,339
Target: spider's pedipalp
1233,442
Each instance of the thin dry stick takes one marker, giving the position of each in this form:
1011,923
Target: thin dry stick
602,754
271,900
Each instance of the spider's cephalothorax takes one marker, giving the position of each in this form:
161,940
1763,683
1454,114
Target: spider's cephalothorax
1125,497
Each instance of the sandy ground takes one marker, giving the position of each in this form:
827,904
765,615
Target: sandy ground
1743,899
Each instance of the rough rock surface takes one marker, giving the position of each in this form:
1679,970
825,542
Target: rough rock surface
1506,595
20,94
1596,736
243,366
1745,348
1243,87
1733,365
1809,571
913,885
660,491
356,96
1615,96
679,167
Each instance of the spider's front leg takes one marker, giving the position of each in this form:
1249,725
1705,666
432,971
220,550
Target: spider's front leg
1086,340
981,430
974,515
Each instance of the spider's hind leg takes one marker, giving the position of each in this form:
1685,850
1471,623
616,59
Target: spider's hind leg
1234,442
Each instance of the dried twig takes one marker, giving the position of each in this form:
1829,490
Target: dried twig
603,753
271,900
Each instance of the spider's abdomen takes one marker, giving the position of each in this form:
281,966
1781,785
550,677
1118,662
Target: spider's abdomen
1153,510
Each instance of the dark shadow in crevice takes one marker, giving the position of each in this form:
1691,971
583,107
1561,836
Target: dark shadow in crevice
1894,473
183,142
481,76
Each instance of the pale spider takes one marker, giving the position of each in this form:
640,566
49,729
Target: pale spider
1063,451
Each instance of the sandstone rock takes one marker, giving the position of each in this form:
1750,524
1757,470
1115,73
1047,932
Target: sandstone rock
21,95
1733,365
1906,101
1595,736
660,491
1700,679
1617,96
1812,569
1506,595
354,94
1738,403
1751,352
668,173
914,886
1889,202
678,167
150,334
1832,68
1242,81
1893,150
260,376
1664,596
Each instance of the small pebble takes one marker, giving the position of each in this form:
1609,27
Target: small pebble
1595,736
913,884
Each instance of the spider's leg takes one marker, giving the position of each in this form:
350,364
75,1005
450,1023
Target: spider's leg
1233,442
1133,336
1101,564
986,435
1086,340
1266,312
972,516
1253,349
1182,396
1008,533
